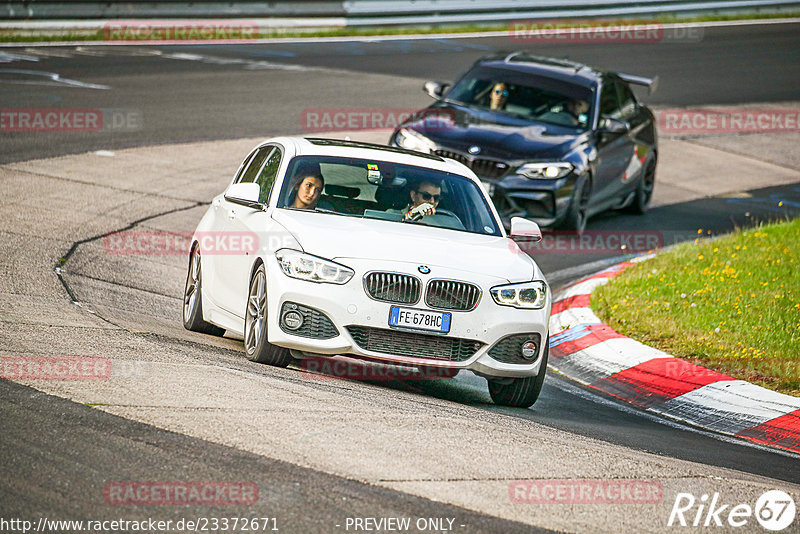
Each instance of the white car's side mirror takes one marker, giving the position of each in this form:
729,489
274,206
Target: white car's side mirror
525,230
247,193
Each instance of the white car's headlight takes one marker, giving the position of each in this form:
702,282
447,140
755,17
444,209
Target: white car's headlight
547,170
527,295
307,267
412,140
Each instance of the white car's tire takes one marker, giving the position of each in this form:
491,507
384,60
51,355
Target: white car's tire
520,392
193,299
256,346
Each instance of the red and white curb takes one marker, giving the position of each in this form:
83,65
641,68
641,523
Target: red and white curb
585,349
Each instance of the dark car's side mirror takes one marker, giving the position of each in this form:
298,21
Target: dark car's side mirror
435,89
614,126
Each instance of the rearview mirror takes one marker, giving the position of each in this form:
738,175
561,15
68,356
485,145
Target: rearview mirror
435,89
615,126
525,230
247,194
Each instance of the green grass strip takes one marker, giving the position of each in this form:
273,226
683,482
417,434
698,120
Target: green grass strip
731,304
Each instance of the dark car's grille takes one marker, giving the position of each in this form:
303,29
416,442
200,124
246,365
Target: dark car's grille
393,287
411,345
315,323
485,168
452,295
509,350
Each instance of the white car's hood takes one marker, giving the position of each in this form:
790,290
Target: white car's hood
340,237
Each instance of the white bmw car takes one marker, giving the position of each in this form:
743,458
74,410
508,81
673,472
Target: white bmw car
323,247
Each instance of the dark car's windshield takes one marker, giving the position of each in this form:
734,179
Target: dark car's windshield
530,97
384,190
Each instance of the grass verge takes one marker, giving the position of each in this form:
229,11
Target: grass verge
44,36
730,304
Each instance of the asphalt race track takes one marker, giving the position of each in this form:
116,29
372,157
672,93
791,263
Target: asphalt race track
191,407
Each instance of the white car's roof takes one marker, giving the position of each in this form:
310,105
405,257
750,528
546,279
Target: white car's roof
337,147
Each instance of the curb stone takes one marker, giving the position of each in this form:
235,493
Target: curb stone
585,349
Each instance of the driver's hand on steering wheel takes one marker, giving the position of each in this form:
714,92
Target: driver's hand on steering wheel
424,209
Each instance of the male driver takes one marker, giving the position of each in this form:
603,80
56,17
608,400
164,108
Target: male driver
424,199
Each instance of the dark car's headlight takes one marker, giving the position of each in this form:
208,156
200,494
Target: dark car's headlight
525,295
304,266
411,140
546,170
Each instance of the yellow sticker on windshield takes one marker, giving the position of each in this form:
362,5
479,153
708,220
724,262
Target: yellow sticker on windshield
372,167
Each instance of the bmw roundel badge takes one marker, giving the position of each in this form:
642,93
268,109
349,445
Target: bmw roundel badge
474,150
424,269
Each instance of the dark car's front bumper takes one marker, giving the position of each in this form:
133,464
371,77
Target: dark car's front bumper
543,201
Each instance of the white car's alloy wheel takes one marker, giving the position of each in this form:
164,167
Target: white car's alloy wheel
192,287
256,310
255,325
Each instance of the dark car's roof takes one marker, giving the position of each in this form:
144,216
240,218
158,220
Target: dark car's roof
559,69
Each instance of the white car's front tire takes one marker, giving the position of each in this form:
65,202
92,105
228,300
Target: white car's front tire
256,346
520,392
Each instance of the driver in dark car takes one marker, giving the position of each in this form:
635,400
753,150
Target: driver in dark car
424,200
577,110
495,96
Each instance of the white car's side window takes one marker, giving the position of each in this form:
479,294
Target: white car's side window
266,178
256,162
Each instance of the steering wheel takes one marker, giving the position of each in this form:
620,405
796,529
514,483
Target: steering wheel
440,211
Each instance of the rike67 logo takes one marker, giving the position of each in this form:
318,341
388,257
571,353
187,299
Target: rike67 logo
774,510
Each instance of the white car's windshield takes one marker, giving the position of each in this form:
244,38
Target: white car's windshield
387,191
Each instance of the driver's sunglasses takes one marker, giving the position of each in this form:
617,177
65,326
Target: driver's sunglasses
427,197
503,92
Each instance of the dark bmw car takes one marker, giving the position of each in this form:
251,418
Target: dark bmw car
552,140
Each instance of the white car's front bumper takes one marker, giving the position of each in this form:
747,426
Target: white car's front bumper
349,305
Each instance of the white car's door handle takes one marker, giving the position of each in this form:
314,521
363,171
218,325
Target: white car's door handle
231,214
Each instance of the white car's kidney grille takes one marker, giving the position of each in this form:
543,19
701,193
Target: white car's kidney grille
413,345
393,287
452,295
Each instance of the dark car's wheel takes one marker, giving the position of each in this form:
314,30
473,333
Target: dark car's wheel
644,190
193,301
520,392
255,325
575,218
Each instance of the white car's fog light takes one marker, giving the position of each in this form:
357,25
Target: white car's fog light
292,320
304,266
529,349
527,295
